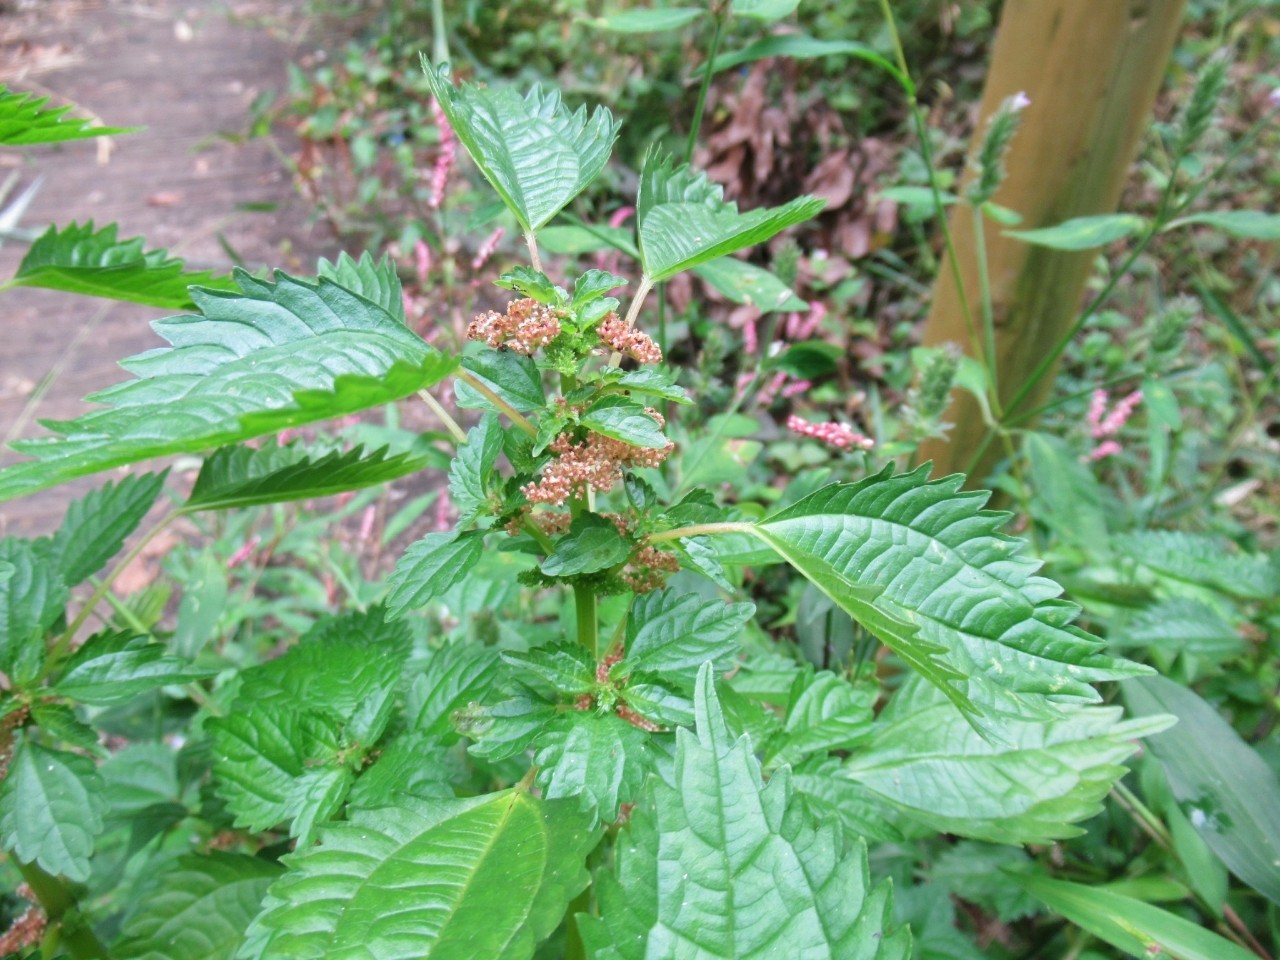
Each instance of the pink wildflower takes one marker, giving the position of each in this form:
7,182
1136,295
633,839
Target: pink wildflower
1103,425
595,463
640,347
244,553
795,389
526,326
444,512
769,392
798,329
487,248
444,159
366,523
837,435
1019,101
1108,448
422,260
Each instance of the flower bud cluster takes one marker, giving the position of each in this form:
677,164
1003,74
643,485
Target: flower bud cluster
639,346
27,929
649,568
526,326
836,434
594,463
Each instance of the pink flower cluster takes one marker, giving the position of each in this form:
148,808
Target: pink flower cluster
640,347
595,463
27,929
526,326
488,248
445,158
836,434
1103,426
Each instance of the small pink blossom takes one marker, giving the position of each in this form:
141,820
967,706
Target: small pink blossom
1108,448
444,159
795,389
487,249
1273,98
769,392
1019,101
422,260
366,523
244,553
835,434
1104,425
798,329
444,512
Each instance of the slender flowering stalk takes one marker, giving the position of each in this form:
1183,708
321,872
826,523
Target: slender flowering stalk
444,159
488,248
1103,426
838,435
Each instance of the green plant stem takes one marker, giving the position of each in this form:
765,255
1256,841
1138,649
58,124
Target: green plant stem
439,33
535,260
698,530
442,414
484,390
63,643
541,538
720,12
60,907
988,312
1147,820
584,603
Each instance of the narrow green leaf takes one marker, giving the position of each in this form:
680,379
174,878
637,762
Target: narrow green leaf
51,808
748,284
922,566
273,355
196,909
685,220
671,635
1084,233
535,153
718,865
1137,928
624,419
925,758
113,668
1245,224
799,46
592,544
95,526
376,281
917,196
242,476
487,876
1225,788
512,376
25,121
430,567
655,20
32,598
764,10
94,263
472,467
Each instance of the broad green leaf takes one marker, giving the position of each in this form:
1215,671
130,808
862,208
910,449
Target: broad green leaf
1072,499
1246,224
512,376
95,526
577,240
32,598
671,635
94,263
529,283
51,808
25,120
765,10
836,799
657,20
414,763
274,355
985,874
535,153
113,668
596,760
926,570
651,383
430,567
198,908
487,876
593,285
377,281
1137,928
455,675
506,728
624,419
472,468
1203,560
592,544
799,46
1084,233
719,866
1181,625
61,723
745,283
554,671
685,220
1225,788
242,476
924,757
826,712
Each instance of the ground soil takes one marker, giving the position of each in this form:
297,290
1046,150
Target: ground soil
189,73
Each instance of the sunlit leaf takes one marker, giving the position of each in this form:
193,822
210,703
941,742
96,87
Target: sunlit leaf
25,120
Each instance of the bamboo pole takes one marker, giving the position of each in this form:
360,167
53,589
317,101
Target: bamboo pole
1091,69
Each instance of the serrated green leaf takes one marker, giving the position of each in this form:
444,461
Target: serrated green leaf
596,760
60,722
685,220
114,667
51,808
376,281
196,909
1181,625
593,285
472,467
273,355
826,712
748,284
624,419
32,598
512,376
414,763
655,20
651,383
1083,233
25,121
532,149
984,874
592,544
958,601
1204,560
555,671
1073,501
530,283
672,635
1246,224
1138,928
836,799
94,263
95,526
430,567
755,878
925,758
458,674
242,476
486,876
506,728
1229,794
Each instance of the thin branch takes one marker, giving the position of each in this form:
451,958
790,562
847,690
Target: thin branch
475,383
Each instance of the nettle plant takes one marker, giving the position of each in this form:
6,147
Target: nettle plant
641,773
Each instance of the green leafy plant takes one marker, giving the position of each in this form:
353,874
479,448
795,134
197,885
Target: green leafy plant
615,761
